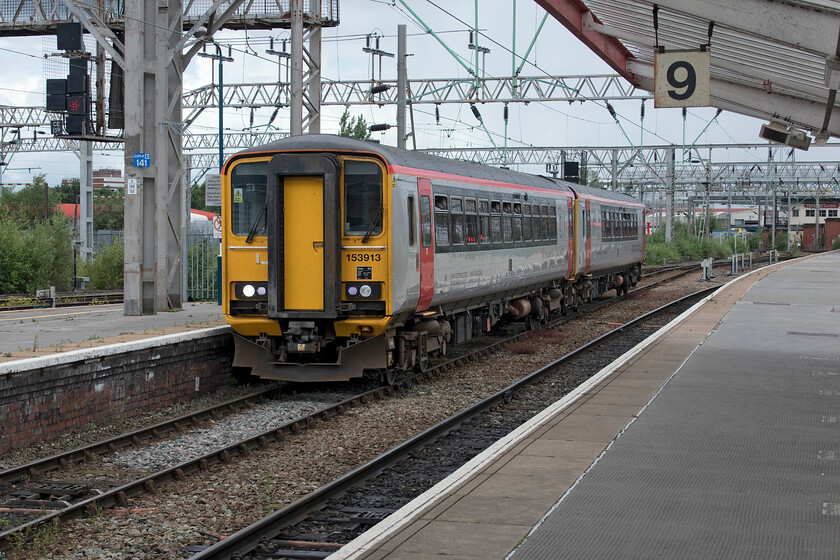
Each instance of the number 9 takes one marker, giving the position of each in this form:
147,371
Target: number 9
689,83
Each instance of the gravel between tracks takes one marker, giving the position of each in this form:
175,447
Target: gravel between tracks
224,500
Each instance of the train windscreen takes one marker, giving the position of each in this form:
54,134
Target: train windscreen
248,198
362,198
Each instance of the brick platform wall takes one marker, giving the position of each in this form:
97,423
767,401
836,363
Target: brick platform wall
50,401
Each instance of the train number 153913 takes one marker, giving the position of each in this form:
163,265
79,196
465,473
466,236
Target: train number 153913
363,257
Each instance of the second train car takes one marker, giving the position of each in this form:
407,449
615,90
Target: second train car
344,258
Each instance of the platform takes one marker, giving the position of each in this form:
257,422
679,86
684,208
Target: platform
715,438
38,332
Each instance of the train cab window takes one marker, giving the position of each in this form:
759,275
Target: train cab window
484,221
526,222
517,221
441,220
248,198
471,221
495,221
425,221
412,222
362,198
456,209
507,225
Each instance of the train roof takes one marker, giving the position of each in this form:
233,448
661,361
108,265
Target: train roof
420,160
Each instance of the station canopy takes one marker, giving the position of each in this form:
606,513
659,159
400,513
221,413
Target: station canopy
775,60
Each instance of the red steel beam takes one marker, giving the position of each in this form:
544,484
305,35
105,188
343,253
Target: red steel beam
570,14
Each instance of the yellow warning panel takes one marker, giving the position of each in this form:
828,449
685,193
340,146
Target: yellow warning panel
303,243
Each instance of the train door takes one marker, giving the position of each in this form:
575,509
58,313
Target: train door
303,242
587,235
427,248
570,213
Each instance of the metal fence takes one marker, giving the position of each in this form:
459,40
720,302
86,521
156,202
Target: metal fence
201,258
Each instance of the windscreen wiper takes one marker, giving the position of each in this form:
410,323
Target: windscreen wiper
376,220
253,231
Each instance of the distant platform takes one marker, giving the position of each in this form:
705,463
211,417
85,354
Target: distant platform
39,332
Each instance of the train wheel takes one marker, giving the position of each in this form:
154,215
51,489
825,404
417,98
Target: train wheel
389,376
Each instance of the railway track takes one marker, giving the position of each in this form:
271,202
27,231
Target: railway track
310,527
119,496
17,302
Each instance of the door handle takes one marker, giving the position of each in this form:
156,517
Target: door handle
316,244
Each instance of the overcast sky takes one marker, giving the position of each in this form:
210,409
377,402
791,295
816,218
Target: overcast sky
556,52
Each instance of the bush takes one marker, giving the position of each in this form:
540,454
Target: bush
835,244
684,247
35,256
106,269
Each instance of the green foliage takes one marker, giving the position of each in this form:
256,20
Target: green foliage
754,241
67,191
835,244
106,269
108,209
355,127
684,247
781,241
28,203
35,255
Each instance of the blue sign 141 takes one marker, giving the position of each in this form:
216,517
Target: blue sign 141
142,160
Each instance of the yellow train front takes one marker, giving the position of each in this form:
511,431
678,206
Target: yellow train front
305,261
344,259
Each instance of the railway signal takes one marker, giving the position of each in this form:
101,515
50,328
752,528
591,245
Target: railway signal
71,96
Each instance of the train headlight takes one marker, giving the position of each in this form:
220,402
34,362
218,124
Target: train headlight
250,290
363,290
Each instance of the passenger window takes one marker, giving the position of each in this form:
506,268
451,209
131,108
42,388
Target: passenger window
484,220
517,221
457,221
526,222
471,222
507,225
495,221
544,220
441,220
552,222
362,198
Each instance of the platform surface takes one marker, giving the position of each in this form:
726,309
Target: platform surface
39,332
716,439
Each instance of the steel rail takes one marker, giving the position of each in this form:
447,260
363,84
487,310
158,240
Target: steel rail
137,437
120,495
250,537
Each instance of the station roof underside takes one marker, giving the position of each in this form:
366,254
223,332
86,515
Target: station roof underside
769,58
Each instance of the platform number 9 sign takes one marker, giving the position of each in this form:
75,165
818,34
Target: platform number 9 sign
681,79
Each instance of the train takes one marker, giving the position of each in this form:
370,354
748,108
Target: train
344,258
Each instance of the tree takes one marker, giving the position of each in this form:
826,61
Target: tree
108,209
355,127
35,255
67,191
32,203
